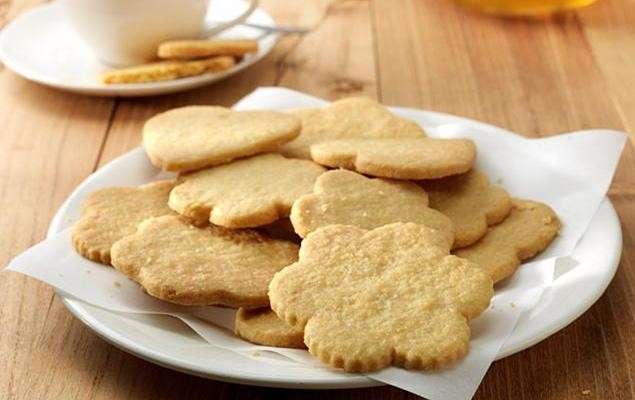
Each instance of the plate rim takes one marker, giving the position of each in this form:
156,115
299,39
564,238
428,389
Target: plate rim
352,381
124,90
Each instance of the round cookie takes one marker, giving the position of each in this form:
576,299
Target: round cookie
353,117
112,213
249,192
195,137
262,326
392,295
470,202
347,198
423,158
177,262
166,70
529,229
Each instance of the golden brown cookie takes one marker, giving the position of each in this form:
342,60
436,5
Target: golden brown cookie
112,213
471,203
188,49
354,117
423,158
249,192
528,230
262,326
392,295
177,262
195,137
347,198
166,70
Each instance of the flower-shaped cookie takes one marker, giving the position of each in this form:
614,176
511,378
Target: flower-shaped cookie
262,326
529,229
112,213
470,202
195,137
423,158
392,295
353,117
180,263
347,198
246,193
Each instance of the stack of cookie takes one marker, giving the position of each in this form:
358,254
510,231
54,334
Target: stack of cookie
400,239
183,58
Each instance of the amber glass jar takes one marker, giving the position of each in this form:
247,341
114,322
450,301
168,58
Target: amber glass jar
525,7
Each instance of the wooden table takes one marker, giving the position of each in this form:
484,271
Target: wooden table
537,78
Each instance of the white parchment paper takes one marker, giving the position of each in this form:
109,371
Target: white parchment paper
569,172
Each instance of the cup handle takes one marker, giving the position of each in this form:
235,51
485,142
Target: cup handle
216,29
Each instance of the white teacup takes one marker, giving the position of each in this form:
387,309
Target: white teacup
128,32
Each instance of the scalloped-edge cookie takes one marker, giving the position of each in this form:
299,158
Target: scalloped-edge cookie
262,326
423,158
197,48
180,263
392,295
353,117
348,198
528,230
249,192
109,214
195,137
471,202
166,70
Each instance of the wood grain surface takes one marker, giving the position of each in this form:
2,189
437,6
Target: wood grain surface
537,77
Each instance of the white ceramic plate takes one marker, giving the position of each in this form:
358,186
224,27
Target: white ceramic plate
165,341
40,46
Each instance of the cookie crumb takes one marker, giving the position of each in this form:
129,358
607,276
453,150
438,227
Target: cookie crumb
586,392
512,304
256,354
117,284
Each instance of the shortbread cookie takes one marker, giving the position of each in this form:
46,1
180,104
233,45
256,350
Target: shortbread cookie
354,117
249,192
112,213
177,262
528,230
195,137
422,158
262,326
166,70
188,49
471,203
392,295
347,198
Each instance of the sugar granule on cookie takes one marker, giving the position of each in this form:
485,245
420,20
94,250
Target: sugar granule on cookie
262,326
197,48
403,158
195,137
177,262
392,295
109,214
353,117
347,198
529,229
249,192
166,70
471,202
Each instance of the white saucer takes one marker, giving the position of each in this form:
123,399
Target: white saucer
41,47
165,341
